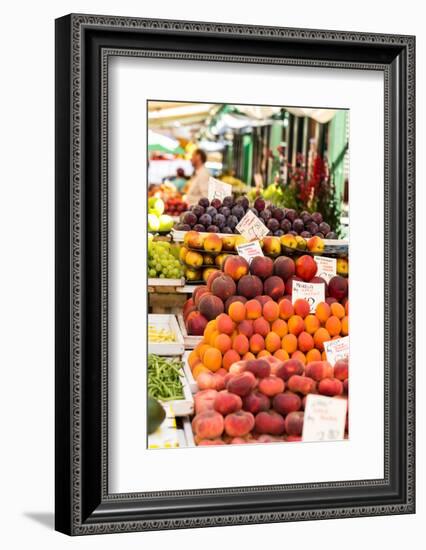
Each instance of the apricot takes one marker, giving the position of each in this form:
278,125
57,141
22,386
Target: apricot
321,335
294,423
312,324
201,349
286,309
295,325
341,370
262,266
223,343
239,423
323,312
225,325
193,358
241,384
236,267
229,358
313,355
279,326
274,287
286,402
249,356
261,326
263,299
210,328
241,344
299,356
319,370
272,342
281,354
338,310
263,353
345,326
237,311
289,343
199,369
255,402
253,309
213,337
330,387
246,328
226,402
212,243
333,325
323,356
250,286
204,400
212,359
233,299
257,343
271,385
301,384
208,424
210,306
306,267
259,368
301,308
269,422
347,307
271,311
305,341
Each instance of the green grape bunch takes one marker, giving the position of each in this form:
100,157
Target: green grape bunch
163,261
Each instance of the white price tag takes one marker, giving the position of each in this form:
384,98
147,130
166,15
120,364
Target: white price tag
249,250
326,267
313,293
251,227
324,418
337,349
218,189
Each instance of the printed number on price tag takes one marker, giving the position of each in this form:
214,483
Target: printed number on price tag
324,418
313,293
218,189
251,227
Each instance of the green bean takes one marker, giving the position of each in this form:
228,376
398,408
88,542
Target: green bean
164,378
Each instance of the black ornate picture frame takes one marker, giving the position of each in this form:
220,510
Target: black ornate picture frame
84,43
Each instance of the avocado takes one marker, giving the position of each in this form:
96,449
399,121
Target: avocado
156,415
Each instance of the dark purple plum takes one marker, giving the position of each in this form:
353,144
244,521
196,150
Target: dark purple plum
266,214
183,227
279,233
219,220
227,229
204,202
205,220
198,227
231,221
312,227
216,203
331,235
228,201
213,229
225,211
317,217
243,201
197,209
259,204
298,225
255,212
305,235
273,225
285,225
292,233
238,211
291,214
189,218
211,211
306,217
324,228
278,214
319,234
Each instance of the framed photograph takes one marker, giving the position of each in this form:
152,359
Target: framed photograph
228,197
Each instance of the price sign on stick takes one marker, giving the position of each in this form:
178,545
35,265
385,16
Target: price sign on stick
249,250
251,227
337,349
324,418
313,293
218,189
326,267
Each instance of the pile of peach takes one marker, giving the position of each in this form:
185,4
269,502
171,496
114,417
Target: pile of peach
262,327
262,400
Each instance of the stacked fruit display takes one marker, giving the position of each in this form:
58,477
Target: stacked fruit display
223,216
158,222
163,260
265,280
175,206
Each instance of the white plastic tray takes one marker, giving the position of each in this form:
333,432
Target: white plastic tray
188,373
167,322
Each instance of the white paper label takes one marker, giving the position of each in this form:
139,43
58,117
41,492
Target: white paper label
218,189
324,418
337,349
249,250
326,267
313,293
251,227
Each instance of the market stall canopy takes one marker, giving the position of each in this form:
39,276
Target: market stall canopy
165,113
319,115
164,144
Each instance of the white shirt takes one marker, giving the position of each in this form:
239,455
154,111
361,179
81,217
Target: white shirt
198,185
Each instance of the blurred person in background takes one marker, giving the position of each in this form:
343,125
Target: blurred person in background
197,186
179,180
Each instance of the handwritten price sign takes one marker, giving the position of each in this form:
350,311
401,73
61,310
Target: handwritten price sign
324,418
251,227
326,267
218,189
337,349
313,293
249,250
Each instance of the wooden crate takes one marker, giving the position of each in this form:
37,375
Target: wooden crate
166,302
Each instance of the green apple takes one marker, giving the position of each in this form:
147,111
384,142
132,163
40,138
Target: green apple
155,206
166,222
153,222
